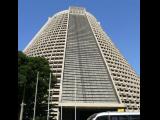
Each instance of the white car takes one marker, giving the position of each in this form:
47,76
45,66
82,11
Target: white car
115,116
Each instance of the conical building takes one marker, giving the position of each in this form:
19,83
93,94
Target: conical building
92,75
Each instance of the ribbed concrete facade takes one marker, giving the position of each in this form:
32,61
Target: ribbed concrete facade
89,68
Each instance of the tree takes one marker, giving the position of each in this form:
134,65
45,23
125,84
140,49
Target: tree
27,76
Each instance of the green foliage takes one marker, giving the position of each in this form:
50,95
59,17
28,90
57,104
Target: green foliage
27,76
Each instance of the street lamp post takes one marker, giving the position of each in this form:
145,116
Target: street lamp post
75,96
35,97
21,113
49,96
22,104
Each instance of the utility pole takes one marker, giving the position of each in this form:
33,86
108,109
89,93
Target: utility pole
35,97
49,96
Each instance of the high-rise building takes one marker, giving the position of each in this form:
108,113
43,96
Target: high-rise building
92,75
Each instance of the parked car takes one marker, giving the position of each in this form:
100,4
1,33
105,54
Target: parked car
115,116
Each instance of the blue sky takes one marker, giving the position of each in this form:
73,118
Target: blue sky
120,19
